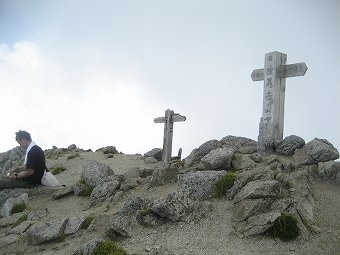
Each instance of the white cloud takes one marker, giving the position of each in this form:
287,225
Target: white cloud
104,111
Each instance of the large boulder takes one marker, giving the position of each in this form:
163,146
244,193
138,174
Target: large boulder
106,189
219,158
201,184
163,175
73,225
257,224
94,173
317,150
259,189
327,170
243,162
11,198
180,206
237,142
155,153
46,232
197,154
288,145
125,220
108,150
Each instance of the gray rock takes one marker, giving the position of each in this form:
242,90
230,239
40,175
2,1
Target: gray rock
11,159
108,150
11,198
64,192
21,228
259,224
265,145
46,232
248,207
305,209
327,170
88,248
162,176
237,142
259,189
150,160
201,184
106,189
73,225
242,162
180,206
145,172
288,145
155,153
125,219
219,158
7,240
198,153
72,147
317,150
94,172
38,214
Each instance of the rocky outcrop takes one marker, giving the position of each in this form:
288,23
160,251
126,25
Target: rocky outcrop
163,175
238,143
219,158
197,154
288,145
180,206
200,184
11,198
317,150
94,172
125,219
105,190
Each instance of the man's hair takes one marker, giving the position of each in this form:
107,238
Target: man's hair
22,135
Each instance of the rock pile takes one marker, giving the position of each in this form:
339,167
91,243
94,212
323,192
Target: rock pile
265,187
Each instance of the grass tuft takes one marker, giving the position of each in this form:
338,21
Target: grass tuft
224,183
285,227
108,248
18,208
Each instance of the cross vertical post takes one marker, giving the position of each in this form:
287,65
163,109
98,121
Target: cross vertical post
274,75
168,120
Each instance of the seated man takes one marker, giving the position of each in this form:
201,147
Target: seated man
32,171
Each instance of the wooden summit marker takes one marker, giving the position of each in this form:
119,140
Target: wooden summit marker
273,75
168,120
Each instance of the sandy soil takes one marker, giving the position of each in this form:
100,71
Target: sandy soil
213,235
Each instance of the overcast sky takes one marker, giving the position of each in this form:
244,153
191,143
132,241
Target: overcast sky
96,73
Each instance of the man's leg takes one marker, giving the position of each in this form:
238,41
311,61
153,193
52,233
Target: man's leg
7,183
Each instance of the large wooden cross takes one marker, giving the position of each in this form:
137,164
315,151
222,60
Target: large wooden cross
274,75
168,120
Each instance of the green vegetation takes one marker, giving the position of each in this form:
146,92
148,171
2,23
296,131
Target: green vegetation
224,183
86,223
73,156
61,238
108,248
18,208
285,227
20,220
144,212
58,170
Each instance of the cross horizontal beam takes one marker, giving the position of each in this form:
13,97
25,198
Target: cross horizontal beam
284,71
174,118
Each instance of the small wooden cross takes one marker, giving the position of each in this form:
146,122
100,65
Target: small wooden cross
168,120
274,74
